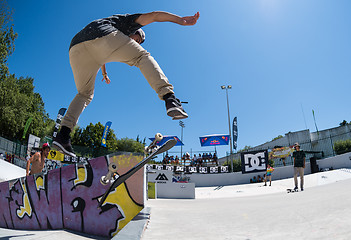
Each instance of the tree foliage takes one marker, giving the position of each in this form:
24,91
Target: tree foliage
341,147
246,148
276,138
90,139
344,123
19,102
7,37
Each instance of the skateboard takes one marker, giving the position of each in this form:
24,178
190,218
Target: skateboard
112,167
118,180
291,190
153,145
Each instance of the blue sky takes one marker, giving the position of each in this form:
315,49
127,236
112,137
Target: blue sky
282,58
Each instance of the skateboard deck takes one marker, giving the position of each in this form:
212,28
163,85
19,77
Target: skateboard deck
121,179
291,190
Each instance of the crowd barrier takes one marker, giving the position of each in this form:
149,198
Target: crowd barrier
188,169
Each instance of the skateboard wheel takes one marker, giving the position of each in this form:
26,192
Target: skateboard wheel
103,180
158,137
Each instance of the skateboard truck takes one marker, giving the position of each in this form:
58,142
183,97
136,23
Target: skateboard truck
112,171
153,146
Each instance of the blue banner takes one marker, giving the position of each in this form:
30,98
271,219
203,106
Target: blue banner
104,135
214,140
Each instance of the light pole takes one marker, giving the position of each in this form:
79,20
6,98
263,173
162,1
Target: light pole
230,132
182,125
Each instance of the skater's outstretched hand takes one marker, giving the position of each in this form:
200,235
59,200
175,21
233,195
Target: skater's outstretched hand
104,74
190,20
106,78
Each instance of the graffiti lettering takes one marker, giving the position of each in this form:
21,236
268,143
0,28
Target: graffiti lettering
67,198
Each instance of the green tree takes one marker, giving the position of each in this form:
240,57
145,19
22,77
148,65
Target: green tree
341,147
18,102
276,138
246,148
236,165
90,137
344,123
130,145
7,37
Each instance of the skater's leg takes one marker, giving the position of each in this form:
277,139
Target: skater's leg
133,54
295,176
84,69
301,172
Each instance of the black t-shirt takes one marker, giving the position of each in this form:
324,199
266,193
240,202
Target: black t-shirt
299,158
102,27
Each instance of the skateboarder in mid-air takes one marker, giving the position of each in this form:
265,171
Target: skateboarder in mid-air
116,39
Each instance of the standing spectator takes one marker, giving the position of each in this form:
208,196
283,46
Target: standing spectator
269,172
194,160
38,160
199,160
299,165
165,160
176,161
215,159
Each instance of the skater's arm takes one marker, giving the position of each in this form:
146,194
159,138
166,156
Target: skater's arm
104,74
30,160
27,167
304,162
159,16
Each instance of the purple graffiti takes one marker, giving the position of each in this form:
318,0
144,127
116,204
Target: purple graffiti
64,198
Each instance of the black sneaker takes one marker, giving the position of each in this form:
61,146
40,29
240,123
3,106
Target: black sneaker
296,188
301,189
63,145
174,107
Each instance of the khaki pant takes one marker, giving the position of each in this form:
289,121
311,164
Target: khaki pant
300,171
86,59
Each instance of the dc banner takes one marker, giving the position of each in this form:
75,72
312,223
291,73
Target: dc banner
235,132
104,135
255,161
189,169
60,115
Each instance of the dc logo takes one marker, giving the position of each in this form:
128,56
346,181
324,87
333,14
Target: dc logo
254,161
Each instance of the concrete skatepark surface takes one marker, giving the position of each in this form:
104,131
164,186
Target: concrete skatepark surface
249,211
252,211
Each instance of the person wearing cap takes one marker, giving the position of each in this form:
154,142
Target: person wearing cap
116,39
38,160
299,157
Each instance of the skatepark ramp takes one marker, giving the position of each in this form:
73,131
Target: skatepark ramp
67,198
